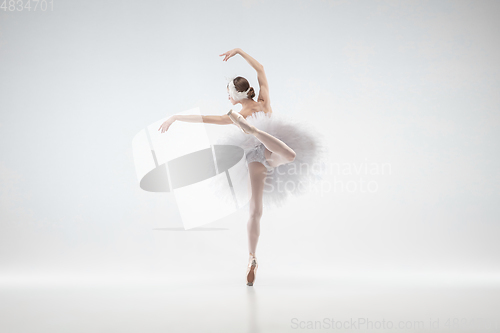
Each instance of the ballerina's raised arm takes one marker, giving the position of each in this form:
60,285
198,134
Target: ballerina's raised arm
259,68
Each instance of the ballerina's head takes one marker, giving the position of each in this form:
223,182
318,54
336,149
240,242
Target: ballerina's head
239,90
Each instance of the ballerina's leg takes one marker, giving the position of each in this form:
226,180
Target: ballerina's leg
258,174
279,152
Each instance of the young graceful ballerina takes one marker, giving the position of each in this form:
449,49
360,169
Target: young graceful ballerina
272,153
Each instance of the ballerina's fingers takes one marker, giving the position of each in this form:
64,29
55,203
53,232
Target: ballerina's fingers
164,127
227,55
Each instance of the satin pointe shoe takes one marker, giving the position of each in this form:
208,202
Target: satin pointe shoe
241,122
251,270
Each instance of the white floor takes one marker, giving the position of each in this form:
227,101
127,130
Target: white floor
355,302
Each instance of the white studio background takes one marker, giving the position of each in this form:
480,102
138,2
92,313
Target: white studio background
410,88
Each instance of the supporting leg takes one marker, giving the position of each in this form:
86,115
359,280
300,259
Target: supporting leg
258,174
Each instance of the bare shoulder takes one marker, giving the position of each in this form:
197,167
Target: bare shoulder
256,107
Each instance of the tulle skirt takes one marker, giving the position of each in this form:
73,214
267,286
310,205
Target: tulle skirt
293,178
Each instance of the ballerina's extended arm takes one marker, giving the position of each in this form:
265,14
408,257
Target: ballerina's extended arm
218,120
194,118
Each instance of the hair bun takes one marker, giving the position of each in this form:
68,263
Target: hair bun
251,93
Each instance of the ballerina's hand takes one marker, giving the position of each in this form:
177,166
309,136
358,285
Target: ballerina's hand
229,54
166,124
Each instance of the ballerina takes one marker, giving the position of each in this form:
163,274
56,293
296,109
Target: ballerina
264,151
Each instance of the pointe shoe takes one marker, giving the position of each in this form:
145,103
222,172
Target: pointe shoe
241,122
252,270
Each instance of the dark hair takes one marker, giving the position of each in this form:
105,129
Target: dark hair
241,84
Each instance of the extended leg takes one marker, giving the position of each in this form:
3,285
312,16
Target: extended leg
280,153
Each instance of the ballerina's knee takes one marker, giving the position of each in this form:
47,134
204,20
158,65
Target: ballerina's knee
276,160
291,157
256,214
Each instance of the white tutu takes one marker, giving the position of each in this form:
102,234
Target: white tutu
292,178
